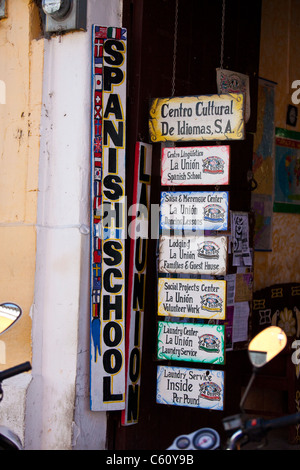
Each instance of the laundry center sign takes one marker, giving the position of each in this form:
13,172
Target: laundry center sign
208,117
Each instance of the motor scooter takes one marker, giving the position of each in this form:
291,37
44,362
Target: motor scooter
9,314
242,430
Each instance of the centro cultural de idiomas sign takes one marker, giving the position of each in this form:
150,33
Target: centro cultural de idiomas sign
208,117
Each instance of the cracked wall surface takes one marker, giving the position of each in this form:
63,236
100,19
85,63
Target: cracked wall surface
21,65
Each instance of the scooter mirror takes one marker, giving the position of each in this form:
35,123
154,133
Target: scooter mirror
9,314
266,345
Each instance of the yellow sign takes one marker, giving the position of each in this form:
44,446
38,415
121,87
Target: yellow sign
194,298
209,117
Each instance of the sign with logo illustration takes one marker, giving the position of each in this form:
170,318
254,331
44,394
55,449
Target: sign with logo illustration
191,342
193,298
193,255
194,210
195,388
194,118
195,165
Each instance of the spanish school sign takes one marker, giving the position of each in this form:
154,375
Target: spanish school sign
196,388
107,381
191,342
194,118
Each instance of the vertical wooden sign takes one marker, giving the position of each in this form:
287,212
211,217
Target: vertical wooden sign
107,381
195,388
138,232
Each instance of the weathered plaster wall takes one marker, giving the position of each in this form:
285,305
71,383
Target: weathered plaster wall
280,62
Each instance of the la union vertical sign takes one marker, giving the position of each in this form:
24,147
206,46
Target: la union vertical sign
108,231
138,232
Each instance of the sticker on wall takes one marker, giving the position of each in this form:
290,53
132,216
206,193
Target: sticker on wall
138,232
195,388
191,342
235,82
193,298
194,118
193,255
194,210
107,381
195,165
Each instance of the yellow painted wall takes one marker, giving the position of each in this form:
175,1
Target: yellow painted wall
280,62
21,67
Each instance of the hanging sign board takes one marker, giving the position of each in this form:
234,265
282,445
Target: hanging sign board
193,255
193,298
194,210
107,368
195,388
195,165
194,118
191,342
138,232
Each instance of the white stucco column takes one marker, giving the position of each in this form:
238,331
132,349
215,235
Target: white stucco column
58,415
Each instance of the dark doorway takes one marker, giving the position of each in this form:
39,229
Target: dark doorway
150,25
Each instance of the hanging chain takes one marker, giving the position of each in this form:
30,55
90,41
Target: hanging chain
222,34
175,48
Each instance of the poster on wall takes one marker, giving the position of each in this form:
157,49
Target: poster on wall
196,388
194,118
193,298
193,254
107,316
287,171
194,210
195,165
191,342
138,233
263,166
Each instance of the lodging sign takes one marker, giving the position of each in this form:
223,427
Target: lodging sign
193,255
194,210
193,118
193,298
195,388
195,165
107,382
191,342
